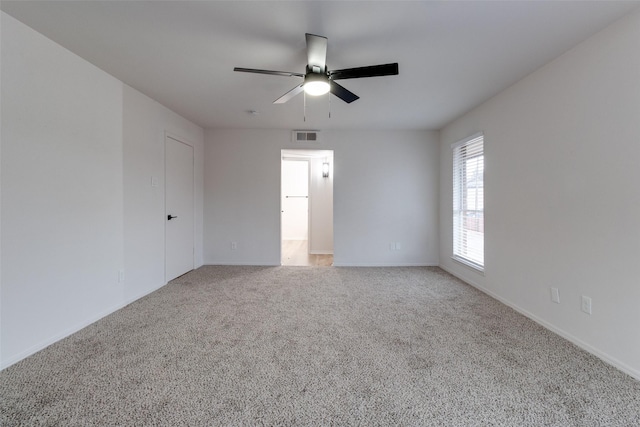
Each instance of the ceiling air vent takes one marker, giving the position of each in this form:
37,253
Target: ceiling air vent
306,136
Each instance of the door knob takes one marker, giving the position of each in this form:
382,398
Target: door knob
169,217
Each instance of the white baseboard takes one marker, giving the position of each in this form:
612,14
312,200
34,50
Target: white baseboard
247,264
421,264
564,334
72,330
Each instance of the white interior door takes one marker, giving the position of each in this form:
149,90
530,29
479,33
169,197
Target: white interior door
179,215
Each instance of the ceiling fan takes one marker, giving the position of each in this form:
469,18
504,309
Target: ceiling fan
318,80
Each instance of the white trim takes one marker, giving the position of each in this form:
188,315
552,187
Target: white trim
466,151
295,159
180,140
467,139
73,329
564,334
347,264
244,264
477,267
176,137
305,155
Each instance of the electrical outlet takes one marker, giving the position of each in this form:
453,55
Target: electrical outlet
234,246
395,246
586,304
555,295
121,276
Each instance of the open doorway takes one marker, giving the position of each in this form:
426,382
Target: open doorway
307,207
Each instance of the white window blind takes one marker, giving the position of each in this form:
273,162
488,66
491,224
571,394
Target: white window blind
468,201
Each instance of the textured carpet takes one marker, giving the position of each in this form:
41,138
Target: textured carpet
316,346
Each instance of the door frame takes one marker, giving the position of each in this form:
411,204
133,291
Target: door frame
308,154
182,140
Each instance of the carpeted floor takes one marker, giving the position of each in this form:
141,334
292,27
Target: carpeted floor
316,346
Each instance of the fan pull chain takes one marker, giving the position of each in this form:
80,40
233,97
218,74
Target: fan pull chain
304,108
329,105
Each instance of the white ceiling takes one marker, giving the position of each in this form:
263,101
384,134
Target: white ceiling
452,55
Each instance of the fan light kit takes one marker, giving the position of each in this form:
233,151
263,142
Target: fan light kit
318,80
316,84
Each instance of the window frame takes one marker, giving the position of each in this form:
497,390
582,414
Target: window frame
460,195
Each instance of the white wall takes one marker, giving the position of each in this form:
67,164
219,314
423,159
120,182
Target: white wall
76,147
321,207
62,206
562,193
385,190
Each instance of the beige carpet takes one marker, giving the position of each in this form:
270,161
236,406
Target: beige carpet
316,346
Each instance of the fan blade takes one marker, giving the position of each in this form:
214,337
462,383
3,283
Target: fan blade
370,71
316,52
287,96
273,73
343,93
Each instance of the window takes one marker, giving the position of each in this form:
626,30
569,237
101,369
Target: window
468,201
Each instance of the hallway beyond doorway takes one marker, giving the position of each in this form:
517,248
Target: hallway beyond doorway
296,252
